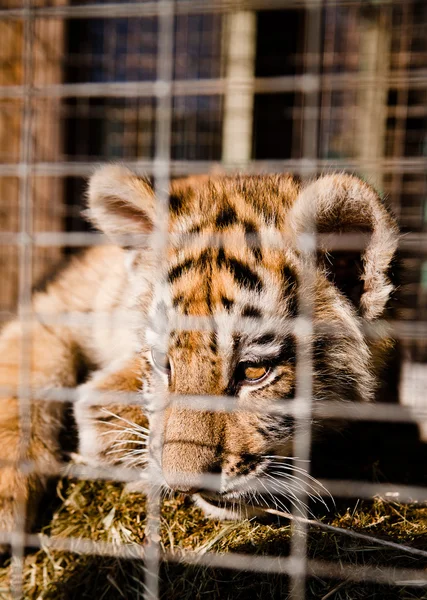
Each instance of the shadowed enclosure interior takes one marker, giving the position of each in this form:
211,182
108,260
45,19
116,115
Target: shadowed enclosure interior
175,88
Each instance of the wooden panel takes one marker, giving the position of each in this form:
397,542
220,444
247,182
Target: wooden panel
47,193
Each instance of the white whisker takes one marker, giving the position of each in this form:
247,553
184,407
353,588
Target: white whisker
277,456
136,461
131,423
134,452
290,495
278,502
292,480
122,430
299,470
302,485
124,442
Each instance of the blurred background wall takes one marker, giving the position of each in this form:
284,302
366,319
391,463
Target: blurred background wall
85,78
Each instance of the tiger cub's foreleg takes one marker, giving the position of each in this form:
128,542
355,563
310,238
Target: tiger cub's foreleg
32,447
111,421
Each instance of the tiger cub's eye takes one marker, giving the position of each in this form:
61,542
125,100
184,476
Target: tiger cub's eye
160,360
254,373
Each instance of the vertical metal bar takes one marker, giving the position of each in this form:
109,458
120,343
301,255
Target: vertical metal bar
375,49
161,171
240,49
24,293
304,329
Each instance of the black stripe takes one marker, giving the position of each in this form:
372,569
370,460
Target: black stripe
196,228
179,269
290,278
244,275
288,350
235,381
213,343
267,338
226,217
236,342
241,272
200,262
227,303
253,240
176,202
220,258
204,258
178,300
290,287
251,311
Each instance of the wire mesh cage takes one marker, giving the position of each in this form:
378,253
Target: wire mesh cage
177,88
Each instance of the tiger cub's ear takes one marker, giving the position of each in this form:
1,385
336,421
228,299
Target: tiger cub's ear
120,203
344,203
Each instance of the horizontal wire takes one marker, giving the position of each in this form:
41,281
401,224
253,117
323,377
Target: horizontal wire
302,166
411,242
325,409
235,561
311,567
181,7
77,545
325,488
304,83
402,493
375,330
230,560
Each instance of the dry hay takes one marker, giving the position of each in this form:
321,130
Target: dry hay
102,511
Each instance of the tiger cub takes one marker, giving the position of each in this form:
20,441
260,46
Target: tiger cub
211,310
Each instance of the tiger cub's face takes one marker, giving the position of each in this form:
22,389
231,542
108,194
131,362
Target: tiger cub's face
224,318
